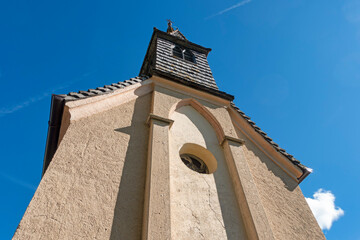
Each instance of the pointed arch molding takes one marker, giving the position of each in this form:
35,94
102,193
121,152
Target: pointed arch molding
247,195
205,113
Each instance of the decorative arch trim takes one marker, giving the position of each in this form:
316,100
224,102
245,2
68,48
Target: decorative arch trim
204,112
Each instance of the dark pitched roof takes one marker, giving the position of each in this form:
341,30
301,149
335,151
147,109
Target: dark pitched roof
159,60
58,102
102,90
57,107
198,72
306,171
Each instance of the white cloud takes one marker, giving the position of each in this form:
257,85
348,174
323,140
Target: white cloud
323,207
230,8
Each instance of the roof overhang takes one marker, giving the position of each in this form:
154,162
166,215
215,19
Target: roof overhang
56,112
191,84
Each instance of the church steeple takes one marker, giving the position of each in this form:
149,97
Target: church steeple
148,158
170,55
170,28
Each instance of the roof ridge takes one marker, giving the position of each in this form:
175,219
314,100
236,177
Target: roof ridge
73,96
306,170
178,34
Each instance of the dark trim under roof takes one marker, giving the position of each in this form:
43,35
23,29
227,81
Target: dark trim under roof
191,84
183,42
56,112
57,109
103,90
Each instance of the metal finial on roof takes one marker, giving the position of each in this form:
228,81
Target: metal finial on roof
170,28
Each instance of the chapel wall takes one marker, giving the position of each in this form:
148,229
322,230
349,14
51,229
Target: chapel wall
286,208
94,185
203,206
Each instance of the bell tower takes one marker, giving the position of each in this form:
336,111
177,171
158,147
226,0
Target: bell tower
170,55
165,155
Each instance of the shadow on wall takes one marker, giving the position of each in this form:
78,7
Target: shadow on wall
288,182
128,212
233,223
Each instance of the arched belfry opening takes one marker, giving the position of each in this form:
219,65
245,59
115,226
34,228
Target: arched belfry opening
202,198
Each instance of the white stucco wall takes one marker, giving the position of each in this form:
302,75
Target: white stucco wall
203,206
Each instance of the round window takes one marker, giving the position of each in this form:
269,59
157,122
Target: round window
194,163
198,158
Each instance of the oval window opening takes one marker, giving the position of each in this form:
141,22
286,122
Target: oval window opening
198,158
194,163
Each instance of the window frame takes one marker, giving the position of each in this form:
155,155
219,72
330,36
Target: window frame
183,52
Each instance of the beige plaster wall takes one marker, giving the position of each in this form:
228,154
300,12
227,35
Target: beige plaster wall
94,186
203,206
285,206
288,213
165,100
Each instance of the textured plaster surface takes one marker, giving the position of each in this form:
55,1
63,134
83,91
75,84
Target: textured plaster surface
165,100
283,162
203,206
288,213
256,222
157,211
94,186
89,106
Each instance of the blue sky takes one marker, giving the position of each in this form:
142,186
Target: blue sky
293,66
